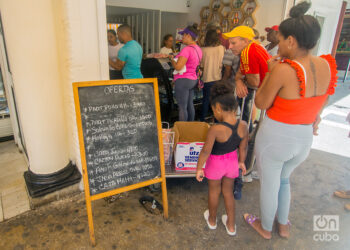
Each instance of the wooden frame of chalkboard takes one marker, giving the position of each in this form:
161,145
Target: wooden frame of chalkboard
120,138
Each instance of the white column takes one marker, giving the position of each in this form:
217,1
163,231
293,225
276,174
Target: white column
33,56
83,54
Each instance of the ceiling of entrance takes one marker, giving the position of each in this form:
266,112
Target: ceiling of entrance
123,11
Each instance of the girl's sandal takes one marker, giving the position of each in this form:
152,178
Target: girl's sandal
206,217
284,230
224,221
250,219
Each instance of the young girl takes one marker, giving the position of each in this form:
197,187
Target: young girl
220,155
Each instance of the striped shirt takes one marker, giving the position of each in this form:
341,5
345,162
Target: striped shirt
232,60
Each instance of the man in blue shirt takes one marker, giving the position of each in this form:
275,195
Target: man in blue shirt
129,56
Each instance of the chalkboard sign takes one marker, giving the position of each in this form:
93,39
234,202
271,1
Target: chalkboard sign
120,135
120,138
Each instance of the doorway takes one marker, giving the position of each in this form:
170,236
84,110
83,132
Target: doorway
13,155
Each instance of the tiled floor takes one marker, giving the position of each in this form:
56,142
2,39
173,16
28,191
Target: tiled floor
13,194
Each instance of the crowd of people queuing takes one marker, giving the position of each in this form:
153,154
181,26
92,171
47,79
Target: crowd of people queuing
291,85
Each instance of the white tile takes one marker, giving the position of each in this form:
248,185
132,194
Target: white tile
18,188
10,156
13,165
14,201
13,195
11,180
8,146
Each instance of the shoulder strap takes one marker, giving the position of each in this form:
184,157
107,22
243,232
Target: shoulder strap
196,52
333,71
229,125
301,74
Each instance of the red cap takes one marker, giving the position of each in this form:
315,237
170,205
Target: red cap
275,27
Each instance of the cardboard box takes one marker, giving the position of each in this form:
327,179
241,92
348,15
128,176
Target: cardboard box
189,141
186,155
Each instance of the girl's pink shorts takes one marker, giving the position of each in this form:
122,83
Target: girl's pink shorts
218,166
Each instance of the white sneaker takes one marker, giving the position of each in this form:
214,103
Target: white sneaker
247,178
255,175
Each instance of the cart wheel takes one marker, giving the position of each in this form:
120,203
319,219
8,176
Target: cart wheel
155,187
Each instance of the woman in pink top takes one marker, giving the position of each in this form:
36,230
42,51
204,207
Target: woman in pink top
186,80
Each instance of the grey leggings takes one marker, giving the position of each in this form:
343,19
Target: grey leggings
279,149
184,98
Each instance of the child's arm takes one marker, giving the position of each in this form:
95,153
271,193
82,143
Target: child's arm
205,153
242,149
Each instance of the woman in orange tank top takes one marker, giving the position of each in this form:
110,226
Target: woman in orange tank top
293,93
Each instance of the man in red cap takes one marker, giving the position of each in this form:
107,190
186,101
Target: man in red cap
272,47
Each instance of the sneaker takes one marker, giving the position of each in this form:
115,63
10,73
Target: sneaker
255,175
247,178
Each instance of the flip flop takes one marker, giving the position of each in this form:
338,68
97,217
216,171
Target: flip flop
342,194
224,221
206,217
250,220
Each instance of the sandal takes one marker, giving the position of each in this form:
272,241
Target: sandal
206,217
224,221
342,194
250,219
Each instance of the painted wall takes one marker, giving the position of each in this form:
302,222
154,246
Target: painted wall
262,15
33,56
162,5
171,21
271,12
268,13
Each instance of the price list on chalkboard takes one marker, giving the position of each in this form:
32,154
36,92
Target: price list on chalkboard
120,135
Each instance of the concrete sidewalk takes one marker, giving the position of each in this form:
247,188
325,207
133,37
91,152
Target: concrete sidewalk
334,129
125,224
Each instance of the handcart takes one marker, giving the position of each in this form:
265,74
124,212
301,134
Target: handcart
250,159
